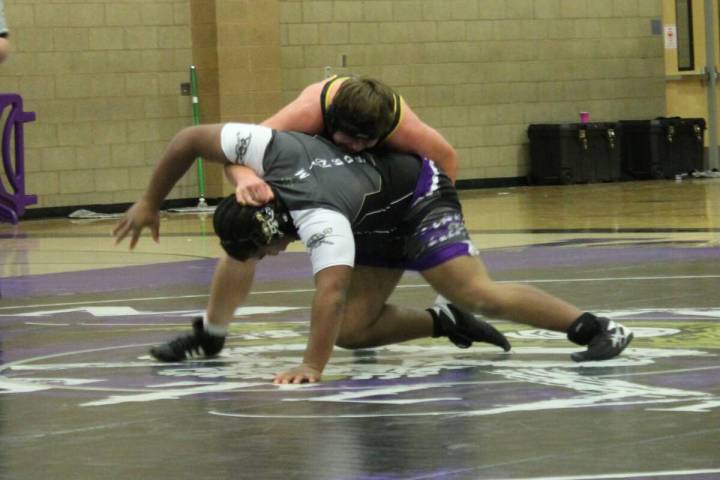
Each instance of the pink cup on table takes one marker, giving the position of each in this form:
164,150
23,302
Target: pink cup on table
584,117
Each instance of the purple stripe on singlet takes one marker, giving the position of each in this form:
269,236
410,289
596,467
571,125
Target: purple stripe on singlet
440,256
426,181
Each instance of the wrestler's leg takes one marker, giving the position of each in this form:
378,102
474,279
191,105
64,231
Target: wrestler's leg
465,282
230,286
369,321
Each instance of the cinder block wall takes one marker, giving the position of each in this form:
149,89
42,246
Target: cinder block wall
480,71
103,78
103,75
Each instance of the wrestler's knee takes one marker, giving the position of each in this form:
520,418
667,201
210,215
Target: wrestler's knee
357,321
350,339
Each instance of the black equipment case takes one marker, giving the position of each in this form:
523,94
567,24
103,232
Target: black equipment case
574,153
662,148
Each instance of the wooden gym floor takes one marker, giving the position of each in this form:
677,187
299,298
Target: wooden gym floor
81,399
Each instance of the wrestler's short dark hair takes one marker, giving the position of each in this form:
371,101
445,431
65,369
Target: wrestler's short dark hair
244,229
363,108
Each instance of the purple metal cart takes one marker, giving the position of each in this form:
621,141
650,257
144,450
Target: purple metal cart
13,198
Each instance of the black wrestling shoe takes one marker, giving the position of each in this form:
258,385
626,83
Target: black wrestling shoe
609,343
463,328
197,343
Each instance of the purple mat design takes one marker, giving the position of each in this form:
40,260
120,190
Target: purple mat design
146,277
296,265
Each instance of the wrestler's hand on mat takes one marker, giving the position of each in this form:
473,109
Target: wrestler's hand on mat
249,188
142,214
301,374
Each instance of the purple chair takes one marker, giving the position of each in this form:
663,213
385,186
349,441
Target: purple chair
13,199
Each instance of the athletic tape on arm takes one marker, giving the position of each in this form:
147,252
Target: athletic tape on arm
245,144
327,235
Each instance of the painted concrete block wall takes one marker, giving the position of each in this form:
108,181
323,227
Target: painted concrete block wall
103,78
103,75
480,71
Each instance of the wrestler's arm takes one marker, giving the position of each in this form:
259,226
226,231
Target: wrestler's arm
179,156
414,135
328,237
188,144
301,115
4,49
331,285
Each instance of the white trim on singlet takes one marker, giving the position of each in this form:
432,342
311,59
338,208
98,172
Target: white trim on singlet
245,144
327,235
384,209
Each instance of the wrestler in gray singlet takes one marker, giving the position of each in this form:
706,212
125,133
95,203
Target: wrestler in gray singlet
400,210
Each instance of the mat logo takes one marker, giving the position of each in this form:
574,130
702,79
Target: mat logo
405,377
428,378
402,365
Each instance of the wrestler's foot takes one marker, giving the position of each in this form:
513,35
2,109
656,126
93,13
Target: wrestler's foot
464,328
197,343
609,343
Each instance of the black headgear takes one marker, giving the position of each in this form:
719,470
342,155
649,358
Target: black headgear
244,229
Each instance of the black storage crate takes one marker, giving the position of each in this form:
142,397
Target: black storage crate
574,153
662,148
